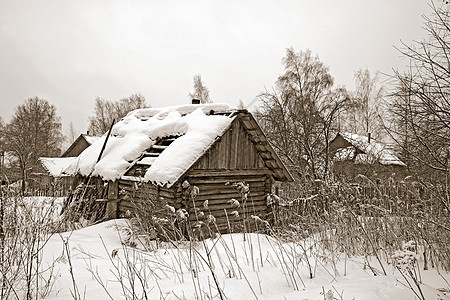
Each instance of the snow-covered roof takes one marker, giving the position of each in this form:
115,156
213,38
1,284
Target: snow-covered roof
195,126
55,166
372,151
90,139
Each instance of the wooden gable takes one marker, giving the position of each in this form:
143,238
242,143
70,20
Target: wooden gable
78,146
243,147
232,151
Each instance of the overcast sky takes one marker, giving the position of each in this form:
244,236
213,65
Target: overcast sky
70,52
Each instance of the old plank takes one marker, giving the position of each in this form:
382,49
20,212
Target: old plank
224,205
222,186
227,196
224,173
211,202
253,190
220,213
224,179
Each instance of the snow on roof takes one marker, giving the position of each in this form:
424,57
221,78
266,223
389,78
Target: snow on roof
373,151
196,126
90,139
55,166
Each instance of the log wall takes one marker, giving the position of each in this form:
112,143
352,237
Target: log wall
135,195
217,189
214,186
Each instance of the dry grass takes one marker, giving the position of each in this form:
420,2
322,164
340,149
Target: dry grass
370,219
25,228
319,226
322,225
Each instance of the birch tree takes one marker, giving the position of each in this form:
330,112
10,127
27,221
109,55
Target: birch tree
300,112
201,92
364,111
34,131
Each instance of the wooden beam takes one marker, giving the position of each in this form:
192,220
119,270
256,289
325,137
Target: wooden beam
133,178
152,154
113,189
160,147
235,195
272,161
217,191
212,173
222,186
252,130
265,155
245,117
250,210
223,179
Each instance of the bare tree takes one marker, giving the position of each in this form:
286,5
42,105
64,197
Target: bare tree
421,99
105,111
298,115
241,104
363,113
337,101
125,105
201,92
2,129
2,148
72,133
70,136
34,131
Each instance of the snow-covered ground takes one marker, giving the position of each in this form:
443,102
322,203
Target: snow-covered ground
250,266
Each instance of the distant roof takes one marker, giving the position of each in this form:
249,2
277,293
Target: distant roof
188,131
374,151
56,165
88,138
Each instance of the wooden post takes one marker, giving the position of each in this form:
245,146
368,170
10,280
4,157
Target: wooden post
106,140
113,199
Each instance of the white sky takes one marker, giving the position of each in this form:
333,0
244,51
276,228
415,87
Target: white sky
70,52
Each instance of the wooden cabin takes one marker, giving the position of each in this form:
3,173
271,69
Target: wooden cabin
49,178
354,154
195,158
